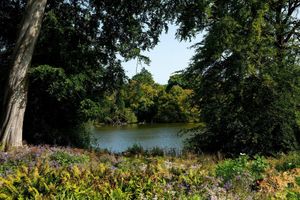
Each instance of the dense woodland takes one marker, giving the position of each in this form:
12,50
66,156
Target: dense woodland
63,64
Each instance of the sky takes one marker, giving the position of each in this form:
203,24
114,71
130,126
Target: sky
169,56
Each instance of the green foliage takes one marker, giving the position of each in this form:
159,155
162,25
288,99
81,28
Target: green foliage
151,102
127,179
138,150
135,149
176,106
66,159
293,195
297,180
229,169
156,151
245,74
144,76
55,173
47,183
75,63
288,162
114,111
141,98
179,79
130,116
7,166
89,109
258,167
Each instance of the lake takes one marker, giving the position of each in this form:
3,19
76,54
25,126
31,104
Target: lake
118,138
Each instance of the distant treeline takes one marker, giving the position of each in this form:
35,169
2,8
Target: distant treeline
141,100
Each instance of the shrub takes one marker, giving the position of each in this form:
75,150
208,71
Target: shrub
156,151
231,168
65,159
291,195
288,162
297,180
258,167
135,149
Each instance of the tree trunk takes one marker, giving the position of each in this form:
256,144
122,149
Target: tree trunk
15,97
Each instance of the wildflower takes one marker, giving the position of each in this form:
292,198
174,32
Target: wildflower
31,165
168,186
168,164
143,167
4,157
55,164
227,186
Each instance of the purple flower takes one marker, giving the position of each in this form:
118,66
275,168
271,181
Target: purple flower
228,185
31,165
4,157
55,164
185,186
168,186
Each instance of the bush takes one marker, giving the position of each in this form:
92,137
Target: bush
288,162
135,149
231,168
129,116
65,159
293,195
156,151
297,180
258,167
79,136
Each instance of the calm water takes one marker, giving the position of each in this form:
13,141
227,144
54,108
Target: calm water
118,139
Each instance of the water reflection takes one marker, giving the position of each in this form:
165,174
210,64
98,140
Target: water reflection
118,139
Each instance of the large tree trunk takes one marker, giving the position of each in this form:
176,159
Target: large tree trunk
15,97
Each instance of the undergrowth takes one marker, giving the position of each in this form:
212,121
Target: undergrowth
65,173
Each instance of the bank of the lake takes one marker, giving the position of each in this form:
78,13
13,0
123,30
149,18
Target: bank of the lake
64,173
119,138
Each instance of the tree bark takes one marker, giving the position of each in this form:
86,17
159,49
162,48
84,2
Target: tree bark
15,97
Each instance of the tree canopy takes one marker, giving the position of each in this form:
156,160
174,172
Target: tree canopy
142,100
78,58
244,76
247,74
